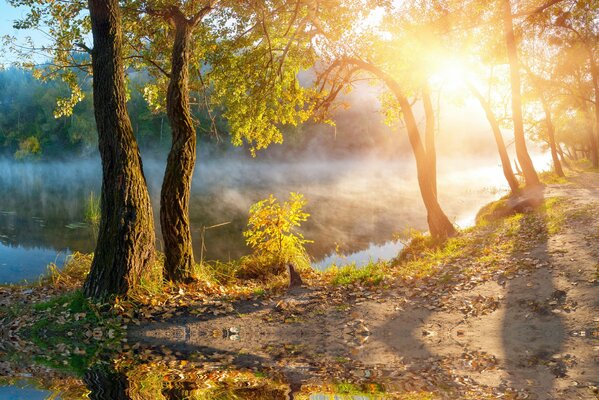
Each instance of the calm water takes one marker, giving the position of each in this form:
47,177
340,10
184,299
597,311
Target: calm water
356,207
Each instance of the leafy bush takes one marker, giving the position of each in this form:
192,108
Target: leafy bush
28,148
272,234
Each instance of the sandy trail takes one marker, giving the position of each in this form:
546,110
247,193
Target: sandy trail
535,334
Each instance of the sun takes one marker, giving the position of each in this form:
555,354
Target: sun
452,75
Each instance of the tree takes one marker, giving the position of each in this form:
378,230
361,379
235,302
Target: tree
528,169
501,149
176,185
439,225
125,247
256,84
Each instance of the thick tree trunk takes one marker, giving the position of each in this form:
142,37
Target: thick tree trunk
176,186
528,169
551,136
429,136
501,149
125,248
104,384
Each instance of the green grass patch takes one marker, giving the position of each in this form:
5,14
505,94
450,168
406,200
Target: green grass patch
483,247
370,274
551,178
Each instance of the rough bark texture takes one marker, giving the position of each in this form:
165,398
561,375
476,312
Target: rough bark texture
126,240
176,186
528,169
557,166
429,137
508,172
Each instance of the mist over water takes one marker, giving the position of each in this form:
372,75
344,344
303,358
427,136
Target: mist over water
355,205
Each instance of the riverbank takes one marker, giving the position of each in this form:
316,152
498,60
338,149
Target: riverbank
508,308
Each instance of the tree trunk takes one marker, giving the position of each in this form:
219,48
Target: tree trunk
429,137
501,149
104,384
176,186
595,78
125,247
439,225
562,156
592,151
551,136
528,169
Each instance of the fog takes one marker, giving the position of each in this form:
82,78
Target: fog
356,205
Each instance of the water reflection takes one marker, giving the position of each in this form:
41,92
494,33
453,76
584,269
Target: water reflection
356,206
23,391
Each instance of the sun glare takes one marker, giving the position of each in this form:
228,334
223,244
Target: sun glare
452,75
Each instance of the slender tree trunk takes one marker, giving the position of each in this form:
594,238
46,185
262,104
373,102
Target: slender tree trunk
593,151
501,149
551,136
439,225
125,247
595,78
562,157
528,169
429,137
176,186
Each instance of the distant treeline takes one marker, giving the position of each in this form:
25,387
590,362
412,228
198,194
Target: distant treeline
29,130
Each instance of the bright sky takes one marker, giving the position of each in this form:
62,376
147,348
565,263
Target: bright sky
7,16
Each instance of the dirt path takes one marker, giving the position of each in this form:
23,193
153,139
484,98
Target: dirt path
532,334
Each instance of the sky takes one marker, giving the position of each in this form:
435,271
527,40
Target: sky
8,15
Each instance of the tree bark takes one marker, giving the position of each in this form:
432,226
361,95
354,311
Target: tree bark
528,169
125,247
508,172
104,384
429,136
551,136
176,186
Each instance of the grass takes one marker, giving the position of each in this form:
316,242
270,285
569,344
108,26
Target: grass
370,274
71,276
483,246
92,211
551,178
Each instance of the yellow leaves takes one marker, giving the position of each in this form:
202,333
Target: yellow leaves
271,228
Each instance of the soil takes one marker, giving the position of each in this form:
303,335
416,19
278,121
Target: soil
532,334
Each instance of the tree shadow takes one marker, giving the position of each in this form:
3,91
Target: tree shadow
532,334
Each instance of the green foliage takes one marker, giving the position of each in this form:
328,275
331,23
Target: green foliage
272,234
28,147
370,274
